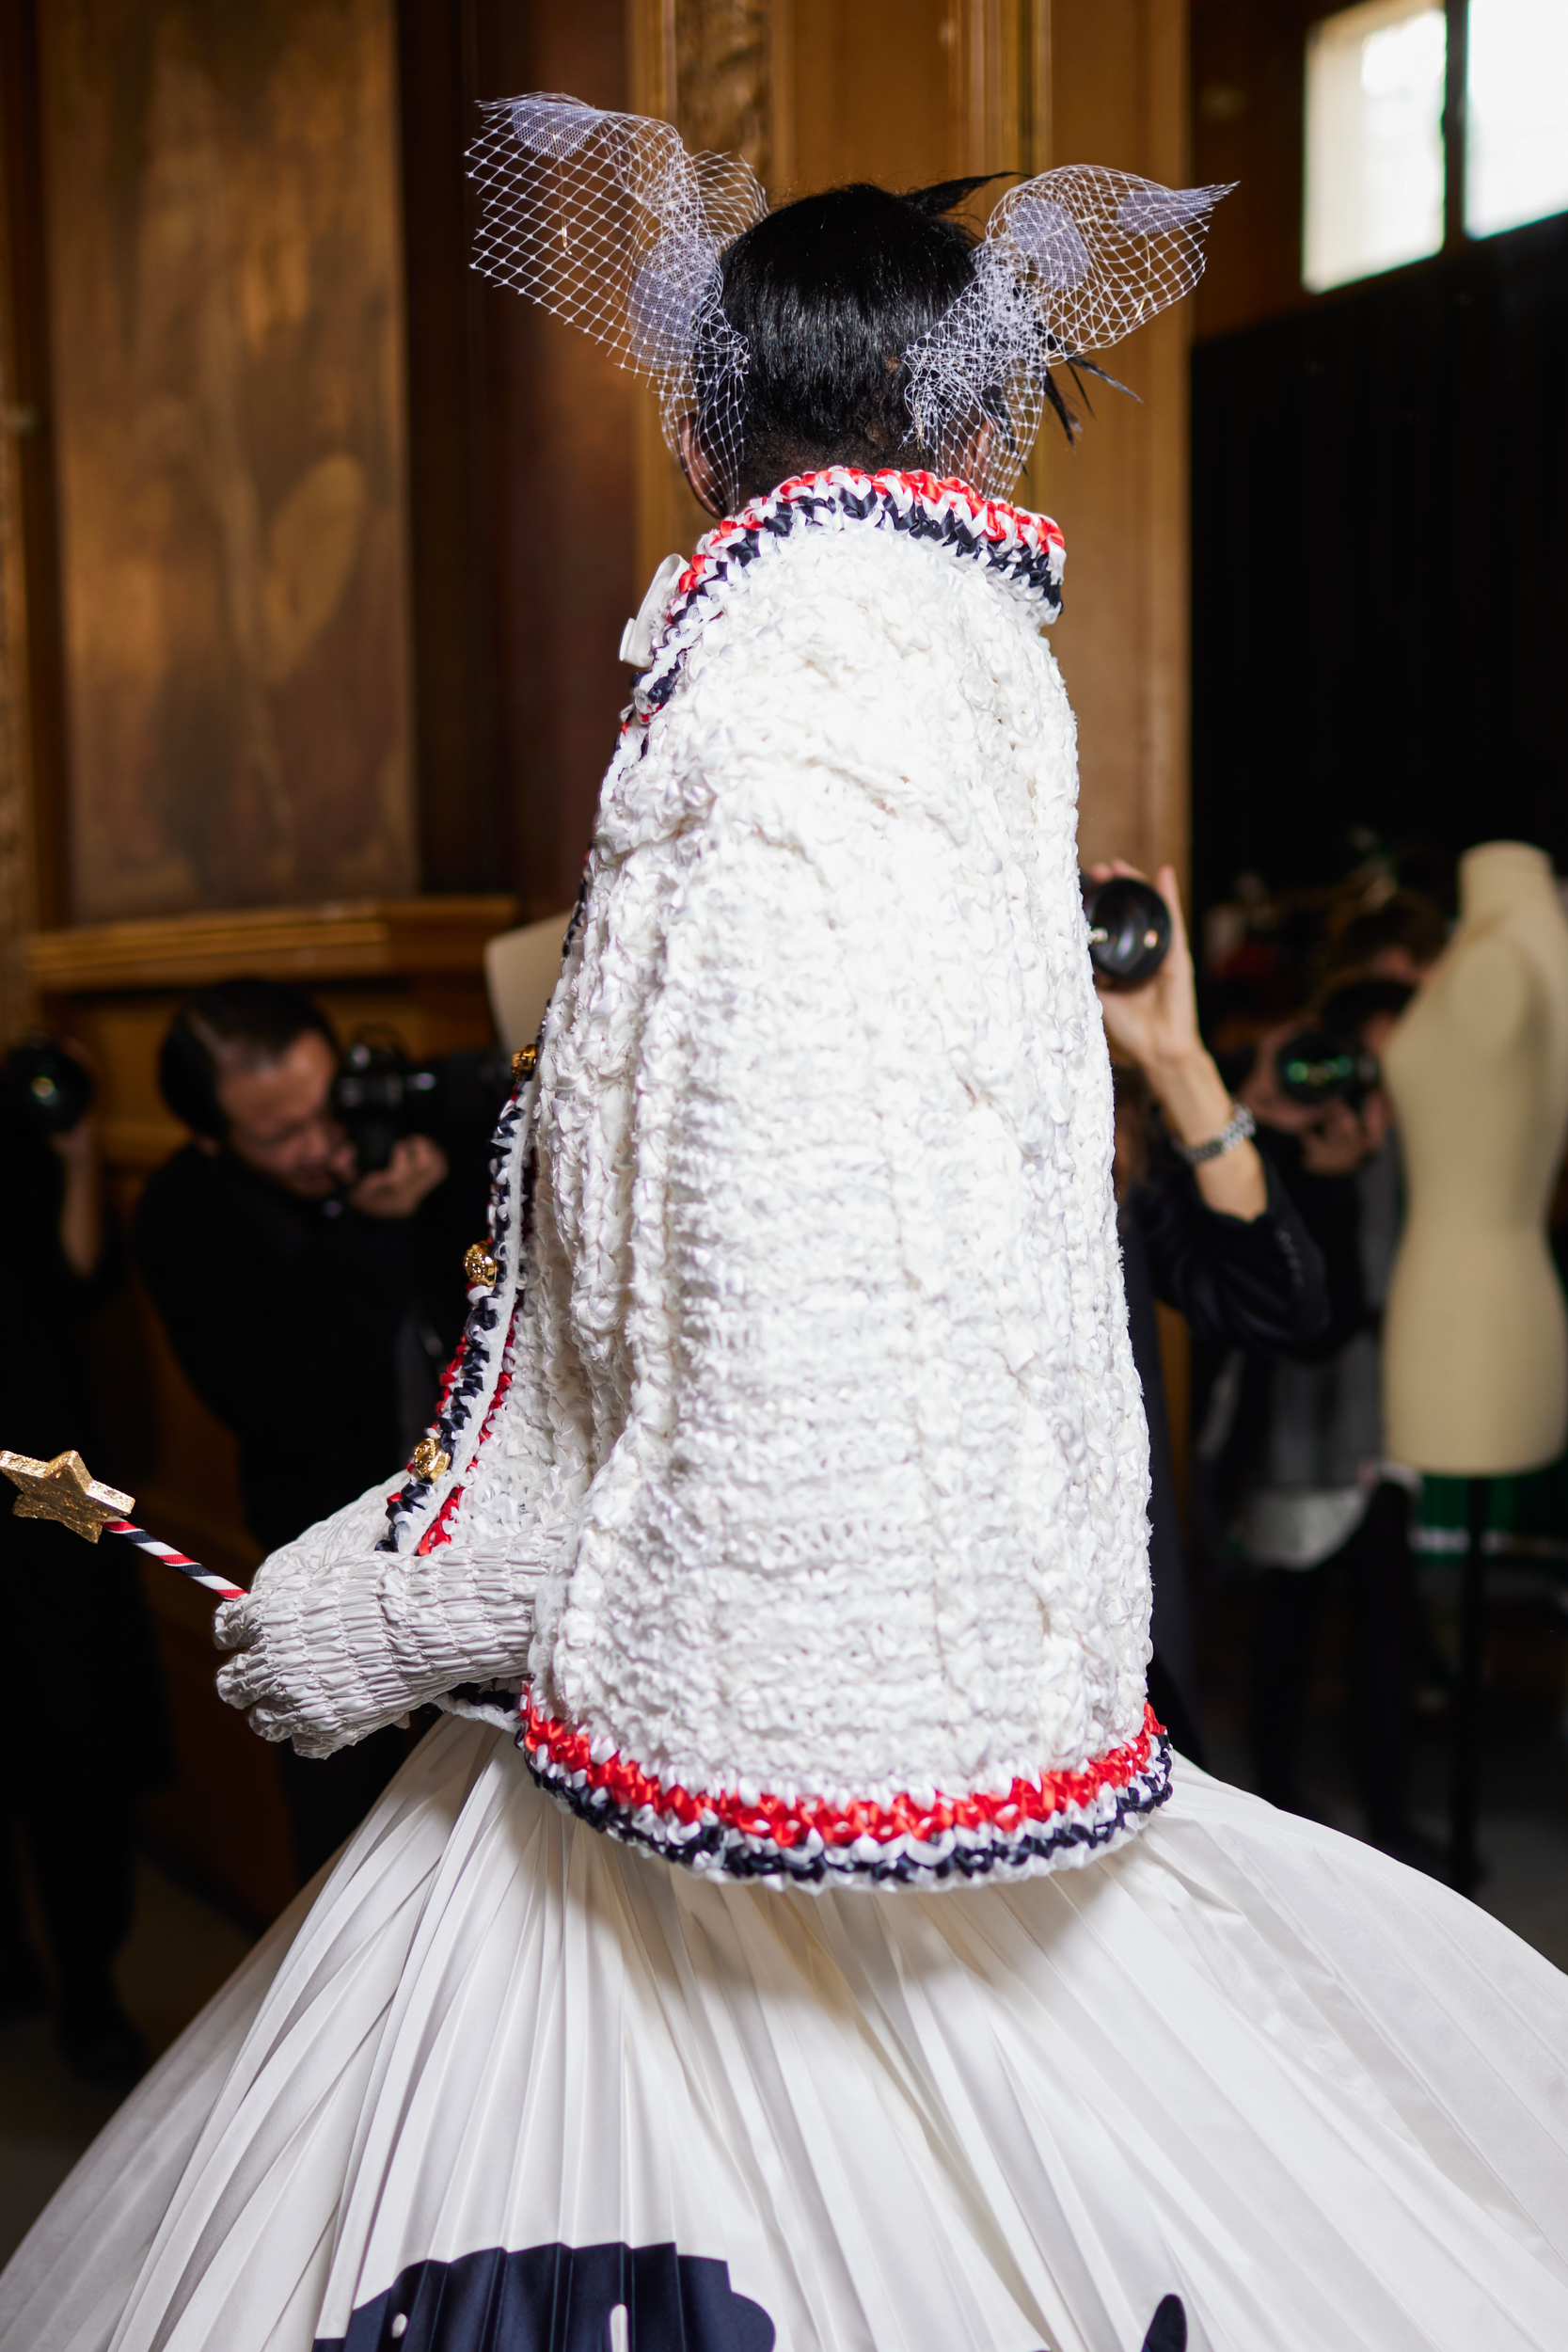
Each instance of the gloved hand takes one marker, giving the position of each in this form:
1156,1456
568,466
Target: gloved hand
335,1638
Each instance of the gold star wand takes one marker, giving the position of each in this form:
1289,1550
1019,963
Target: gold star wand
64,1490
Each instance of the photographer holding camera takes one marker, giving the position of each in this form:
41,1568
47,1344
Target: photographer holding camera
1205,1225
312,1305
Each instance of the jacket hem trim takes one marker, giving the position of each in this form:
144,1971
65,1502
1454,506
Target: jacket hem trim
1062,1819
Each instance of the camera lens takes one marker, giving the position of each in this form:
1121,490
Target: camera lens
43,1084
1128,929
1318,1066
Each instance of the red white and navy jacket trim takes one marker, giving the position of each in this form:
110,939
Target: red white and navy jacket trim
1024,552
1060,1818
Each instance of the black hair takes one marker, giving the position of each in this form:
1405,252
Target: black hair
830,293
250,1024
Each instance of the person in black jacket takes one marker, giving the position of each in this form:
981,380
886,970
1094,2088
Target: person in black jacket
1314,1503
82,1731
1207,1227
312,1309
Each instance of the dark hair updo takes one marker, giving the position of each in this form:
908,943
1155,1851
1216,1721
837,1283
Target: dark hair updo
828,293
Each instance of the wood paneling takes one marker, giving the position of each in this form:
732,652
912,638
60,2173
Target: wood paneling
16,891
520,478
449,453
879,93
33,845
560,426
371,939
1119,96
1248,66
220,201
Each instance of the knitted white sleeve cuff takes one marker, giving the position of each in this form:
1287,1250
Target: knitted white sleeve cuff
331,1643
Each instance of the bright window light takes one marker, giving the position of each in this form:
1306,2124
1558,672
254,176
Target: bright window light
1374,138
1517,113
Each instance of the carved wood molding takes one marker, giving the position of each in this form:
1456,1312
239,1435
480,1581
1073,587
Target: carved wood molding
715,69
364,939
724,78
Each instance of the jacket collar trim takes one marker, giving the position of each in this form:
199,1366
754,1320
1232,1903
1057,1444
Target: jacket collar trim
1023,552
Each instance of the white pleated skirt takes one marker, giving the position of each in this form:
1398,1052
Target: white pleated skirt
501,2085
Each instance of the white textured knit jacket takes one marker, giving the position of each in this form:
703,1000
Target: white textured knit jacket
797,1472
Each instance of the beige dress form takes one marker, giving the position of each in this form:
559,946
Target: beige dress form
1475,1337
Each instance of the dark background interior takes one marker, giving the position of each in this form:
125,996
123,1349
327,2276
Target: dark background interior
1380,513
1379,510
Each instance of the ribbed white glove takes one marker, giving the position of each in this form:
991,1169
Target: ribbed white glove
335,1639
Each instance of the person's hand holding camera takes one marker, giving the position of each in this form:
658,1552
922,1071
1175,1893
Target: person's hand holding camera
418,1165
81,1225
1154,1023
1333,1138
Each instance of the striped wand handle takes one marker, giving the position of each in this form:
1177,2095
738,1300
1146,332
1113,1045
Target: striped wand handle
193,1569
66,1490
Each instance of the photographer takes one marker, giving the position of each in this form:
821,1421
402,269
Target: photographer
312,1308
67,1796
1209,1229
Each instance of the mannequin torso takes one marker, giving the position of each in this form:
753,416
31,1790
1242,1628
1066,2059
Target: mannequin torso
1475,1337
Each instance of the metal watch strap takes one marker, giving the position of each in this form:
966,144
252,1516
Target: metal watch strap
1237,1128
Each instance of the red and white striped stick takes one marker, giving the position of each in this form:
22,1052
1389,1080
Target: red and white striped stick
193,1569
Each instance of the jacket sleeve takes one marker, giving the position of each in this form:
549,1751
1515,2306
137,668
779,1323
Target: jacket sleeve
1256,1284
1328,1209
336,1638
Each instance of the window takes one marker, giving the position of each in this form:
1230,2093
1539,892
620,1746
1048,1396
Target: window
1374,140
1377,158
1515,113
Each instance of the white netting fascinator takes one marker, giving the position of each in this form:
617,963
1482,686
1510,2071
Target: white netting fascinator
607,221
1070,262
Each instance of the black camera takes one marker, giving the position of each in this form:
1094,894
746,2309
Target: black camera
1317,1067
1128,929
43,1086
379,1095
1328,1060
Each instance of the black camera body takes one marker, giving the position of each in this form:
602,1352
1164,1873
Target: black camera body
380,1095
1327,1060
43,1087
1128,929
1319,1066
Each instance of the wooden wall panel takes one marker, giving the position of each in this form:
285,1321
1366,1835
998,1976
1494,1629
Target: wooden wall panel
877,94
16,883
221,204
560,426
33,845
1117,95
1248,73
